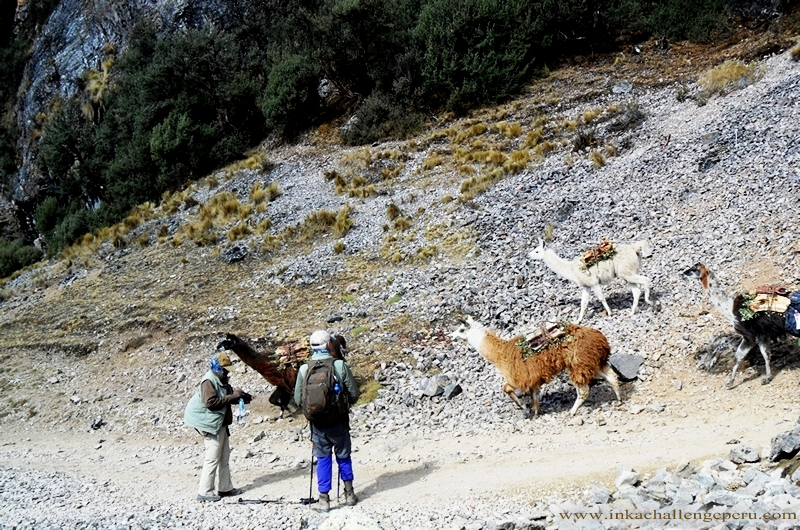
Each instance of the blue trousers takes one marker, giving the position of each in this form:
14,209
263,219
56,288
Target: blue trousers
325,472
329,440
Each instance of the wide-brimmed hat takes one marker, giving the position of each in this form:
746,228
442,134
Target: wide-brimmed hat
223,361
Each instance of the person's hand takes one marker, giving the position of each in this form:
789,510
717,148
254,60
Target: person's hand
237,393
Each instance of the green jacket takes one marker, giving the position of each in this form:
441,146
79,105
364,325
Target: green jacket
341,370
199,415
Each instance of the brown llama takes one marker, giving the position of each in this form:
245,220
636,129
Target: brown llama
280,367
583,354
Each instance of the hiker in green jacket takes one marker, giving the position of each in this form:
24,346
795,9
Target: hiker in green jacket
330,432
209,412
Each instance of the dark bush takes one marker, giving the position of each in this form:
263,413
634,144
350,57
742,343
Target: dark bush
48,215
15,255
380,117
290,98
477,51
73,226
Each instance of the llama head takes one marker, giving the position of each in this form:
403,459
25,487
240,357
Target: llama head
228,343
538,252
698,272
470,331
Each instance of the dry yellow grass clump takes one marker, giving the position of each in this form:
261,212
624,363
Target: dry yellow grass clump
728,76
795,52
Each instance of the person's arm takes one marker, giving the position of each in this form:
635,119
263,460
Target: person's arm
298,385
214,402
349,381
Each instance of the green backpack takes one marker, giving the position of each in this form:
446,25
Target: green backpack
324,399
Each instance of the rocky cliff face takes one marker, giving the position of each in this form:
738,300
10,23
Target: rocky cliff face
73,41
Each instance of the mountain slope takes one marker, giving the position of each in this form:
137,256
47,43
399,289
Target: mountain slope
123,332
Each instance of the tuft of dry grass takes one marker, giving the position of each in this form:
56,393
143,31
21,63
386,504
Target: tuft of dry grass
401,224
359,159
590,114
517,161
432,161
338,247
730,75
533,138
273,191
598,159
263,226
239,231
257,193
509,130
393,211
794,52
474,130
549,230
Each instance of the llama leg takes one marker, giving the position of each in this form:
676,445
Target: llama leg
741,352
642,283
610,376
535,402
508,389
763,345
636,293
583,393
598,292
584,303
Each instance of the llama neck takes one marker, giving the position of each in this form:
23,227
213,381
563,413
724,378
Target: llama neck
248,355
560,266
487,346
719,298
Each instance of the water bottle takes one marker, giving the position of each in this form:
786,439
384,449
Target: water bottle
337,388
242,411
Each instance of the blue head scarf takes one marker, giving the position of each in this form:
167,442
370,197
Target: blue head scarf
214,365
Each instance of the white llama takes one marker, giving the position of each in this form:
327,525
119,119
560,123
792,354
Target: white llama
624,264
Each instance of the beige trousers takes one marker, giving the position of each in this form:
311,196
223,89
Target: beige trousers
215,461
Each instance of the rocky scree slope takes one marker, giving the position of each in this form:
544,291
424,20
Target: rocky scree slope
714,183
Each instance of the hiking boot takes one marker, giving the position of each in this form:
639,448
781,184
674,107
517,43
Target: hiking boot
350,498
208,498
231,493
324,503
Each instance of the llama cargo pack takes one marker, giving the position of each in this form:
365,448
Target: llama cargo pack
792,320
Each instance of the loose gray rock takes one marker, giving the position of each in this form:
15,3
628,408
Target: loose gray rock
234,254
451,390
626,365
742,454
785,445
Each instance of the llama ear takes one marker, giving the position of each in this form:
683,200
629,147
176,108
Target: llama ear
541,243
470,321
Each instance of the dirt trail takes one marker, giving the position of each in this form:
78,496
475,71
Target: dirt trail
697,423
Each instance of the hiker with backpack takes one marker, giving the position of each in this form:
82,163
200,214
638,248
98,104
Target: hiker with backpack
324,391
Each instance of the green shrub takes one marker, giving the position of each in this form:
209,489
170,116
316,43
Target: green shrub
15,255
695,20
477,51
48,215
381,117
290,98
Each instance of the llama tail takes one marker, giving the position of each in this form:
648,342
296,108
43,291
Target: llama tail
643,248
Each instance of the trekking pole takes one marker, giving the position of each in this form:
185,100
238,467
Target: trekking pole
310,499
